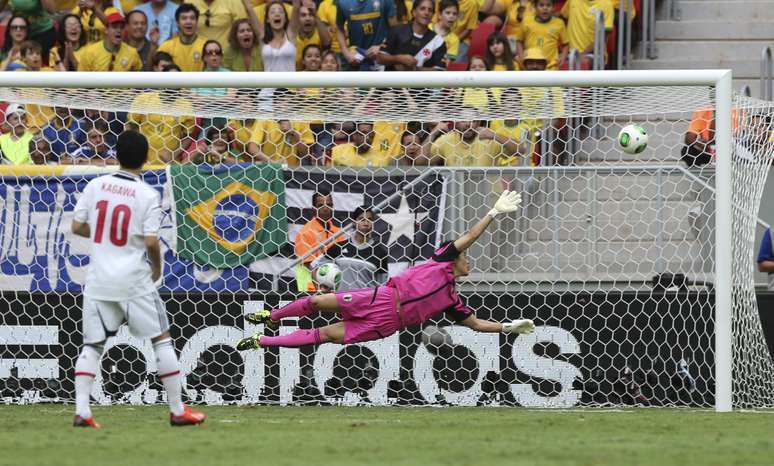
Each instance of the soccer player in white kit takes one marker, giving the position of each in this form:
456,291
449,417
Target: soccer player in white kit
121,215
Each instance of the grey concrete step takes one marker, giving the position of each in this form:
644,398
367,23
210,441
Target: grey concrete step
610,258
633,221
742,68
714,30
697,10
712,48
620,188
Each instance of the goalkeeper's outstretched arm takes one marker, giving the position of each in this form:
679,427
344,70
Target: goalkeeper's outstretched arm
509,202
487,326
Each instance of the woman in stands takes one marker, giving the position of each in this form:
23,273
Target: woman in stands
244,48
499,56
70,39
18,31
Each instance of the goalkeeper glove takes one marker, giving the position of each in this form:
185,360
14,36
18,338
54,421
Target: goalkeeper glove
509,202
519,326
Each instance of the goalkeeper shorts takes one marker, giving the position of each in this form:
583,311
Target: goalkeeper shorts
368,313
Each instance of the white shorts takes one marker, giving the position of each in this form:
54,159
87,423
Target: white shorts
145,315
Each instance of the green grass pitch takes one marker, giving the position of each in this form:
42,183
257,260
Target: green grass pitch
317,436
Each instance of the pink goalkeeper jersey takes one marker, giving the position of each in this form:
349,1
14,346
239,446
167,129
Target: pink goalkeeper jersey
428,289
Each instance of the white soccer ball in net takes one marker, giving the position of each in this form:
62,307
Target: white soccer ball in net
328,275
633,139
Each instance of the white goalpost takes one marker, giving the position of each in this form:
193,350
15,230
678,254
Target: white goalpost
599,228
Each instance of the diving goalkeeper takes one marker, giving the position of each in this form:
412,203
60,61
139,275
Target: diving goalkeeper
415,296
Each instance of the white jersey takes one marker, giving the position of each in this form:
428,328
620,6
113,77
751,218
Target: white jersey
121,210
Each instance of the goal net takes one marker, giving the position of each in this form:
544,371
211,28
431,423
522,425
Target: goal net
614,255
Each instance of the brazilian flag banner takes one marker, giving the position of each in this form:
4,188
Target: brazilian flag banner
228,215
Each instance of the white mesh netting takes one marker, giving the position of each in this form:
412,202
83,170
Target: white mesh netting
612,254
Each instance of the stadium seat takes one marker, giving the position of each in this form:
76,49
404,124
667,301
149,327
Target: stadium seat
478,39
457,66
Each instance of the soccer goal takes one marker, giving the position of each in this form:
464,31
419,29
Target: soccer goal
637,268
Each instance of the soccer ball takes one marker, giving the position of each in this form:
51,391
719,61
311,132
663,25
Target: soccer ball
328,275
633,139
436,339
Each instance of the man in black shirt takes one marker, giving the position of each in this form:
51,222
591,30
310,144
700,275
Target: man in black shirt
414,46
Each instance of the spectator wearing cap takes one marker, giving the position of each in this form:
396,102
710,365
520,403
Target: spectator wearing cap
136,36
93,15
112,54
186,47
217,16
15,144
161,18
414,46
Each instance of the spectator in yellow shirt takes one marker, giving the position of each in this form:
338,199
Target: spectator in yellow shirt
326,12
360,151
470,144
37,116
112,54
580,15
168,135
310,31
93,15
546,32
467,21
450,11
217,16
186,47
15,144
280,142
499,56
518,12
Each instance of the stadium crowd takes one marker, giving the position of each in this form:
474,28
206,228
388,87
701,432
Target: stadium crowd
297,35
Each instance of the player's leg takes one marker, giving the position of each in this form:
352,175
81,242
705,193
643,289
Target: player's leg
299,308
333,333
147,318
101,320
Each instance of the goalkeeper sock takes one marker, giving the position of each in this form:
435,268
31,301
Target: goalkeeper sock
169,373
298,308
85,371
296,339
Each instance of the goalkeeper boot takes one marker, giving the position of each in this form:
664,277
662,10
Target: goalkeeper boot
262,317
188,418
251,342
85,422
